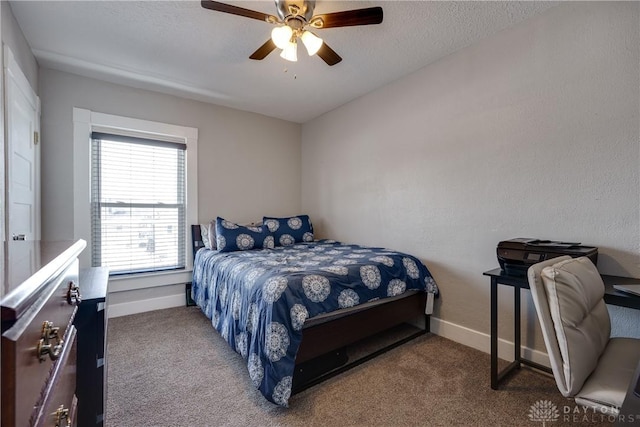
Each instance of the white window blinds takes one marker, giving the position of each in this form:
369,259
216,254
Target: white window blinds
138,204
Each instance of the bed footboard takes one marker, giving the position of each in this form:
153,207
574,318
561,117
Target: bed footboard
323,352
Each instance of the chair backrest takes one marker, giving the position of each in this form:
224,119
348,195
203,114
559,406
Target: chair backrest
568,295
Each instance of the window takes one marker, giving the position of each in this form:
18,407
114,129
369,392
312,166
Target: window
138,204
85,124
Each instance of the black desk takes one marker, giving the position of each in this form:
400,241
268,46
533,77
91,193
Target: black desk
499,276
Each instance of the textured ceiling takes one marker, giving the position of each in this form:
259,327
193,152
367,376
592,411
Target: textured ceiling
177,47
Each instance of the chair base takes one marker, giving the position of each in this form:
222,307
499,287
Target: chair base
606,387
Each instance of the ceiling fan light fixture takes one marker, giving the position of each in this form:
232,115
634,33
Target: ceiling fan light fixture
290,52
294,16
281,36
312,42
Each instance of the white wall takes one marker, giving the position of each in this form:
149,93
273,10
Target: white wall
530,133
248,164
13,37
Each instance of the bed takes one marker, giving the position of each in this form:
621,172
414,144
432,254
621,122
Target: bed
293,311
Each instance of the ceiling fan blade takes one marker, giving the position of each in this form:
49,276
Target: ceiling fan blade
263,50
328,55
235,10
348,18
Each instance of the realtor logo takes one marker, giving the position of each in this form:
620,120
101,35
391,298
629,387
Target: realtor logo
543,411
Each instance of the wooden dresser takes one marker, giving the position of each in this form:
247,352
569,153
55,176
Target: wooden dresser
41,295
91,323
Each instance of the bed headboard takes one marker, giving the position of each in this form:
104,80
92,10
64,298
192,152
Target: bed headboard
196,239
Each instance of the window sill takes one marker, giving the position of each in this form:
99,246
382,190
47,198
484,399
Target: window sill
148,280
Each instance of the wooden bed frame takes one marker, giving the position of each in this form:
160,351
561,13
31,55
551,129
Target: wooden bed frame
323,351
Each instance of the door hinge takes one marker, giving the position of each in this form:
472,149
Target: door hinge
36,138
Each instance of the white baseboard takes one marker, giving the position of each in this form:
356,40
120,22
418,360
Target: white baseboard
481,341
140,306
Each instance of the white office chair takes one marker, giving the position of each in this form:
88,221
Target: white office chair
587,364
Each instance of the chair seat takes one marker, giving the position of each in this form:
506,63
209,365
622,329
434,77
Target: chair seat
607,385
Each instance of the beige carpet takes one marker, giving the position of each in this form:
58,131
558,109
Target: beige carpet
171,368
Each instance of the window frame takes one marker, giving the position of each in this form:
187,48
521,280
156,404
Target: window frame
84,123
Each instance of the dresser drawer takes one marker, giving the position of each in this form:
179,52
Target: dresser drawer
59,406
26,376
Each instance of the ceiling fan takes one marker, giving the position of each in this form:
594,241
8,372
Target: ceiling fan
295,17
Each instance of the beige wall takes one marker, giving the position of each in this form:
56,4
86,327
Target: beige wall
248,164
530,133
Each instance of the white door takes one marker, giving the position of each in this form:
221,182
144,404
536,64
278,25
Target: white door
23,154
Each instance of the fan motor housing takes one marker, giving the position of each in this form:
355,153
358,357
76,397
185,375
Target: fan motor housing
304,8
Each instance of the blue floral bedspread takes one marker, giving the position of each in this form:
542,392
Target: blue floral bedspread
258,300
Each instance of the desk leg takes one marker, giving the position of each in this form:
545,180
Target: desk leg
518,361
496,376
494,333
516,323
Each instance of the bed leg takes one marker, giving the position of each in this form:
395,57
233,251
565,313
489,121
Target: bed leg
187,294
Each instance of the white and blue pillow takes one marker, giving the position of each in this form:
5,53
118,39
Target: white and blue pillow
290,230
234,237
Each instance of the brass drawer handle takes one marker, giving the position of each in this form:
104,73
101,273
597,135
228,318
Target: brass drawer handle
73,294
62,414
49,332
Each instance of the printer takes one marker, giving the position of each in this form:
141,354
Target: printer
517,255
